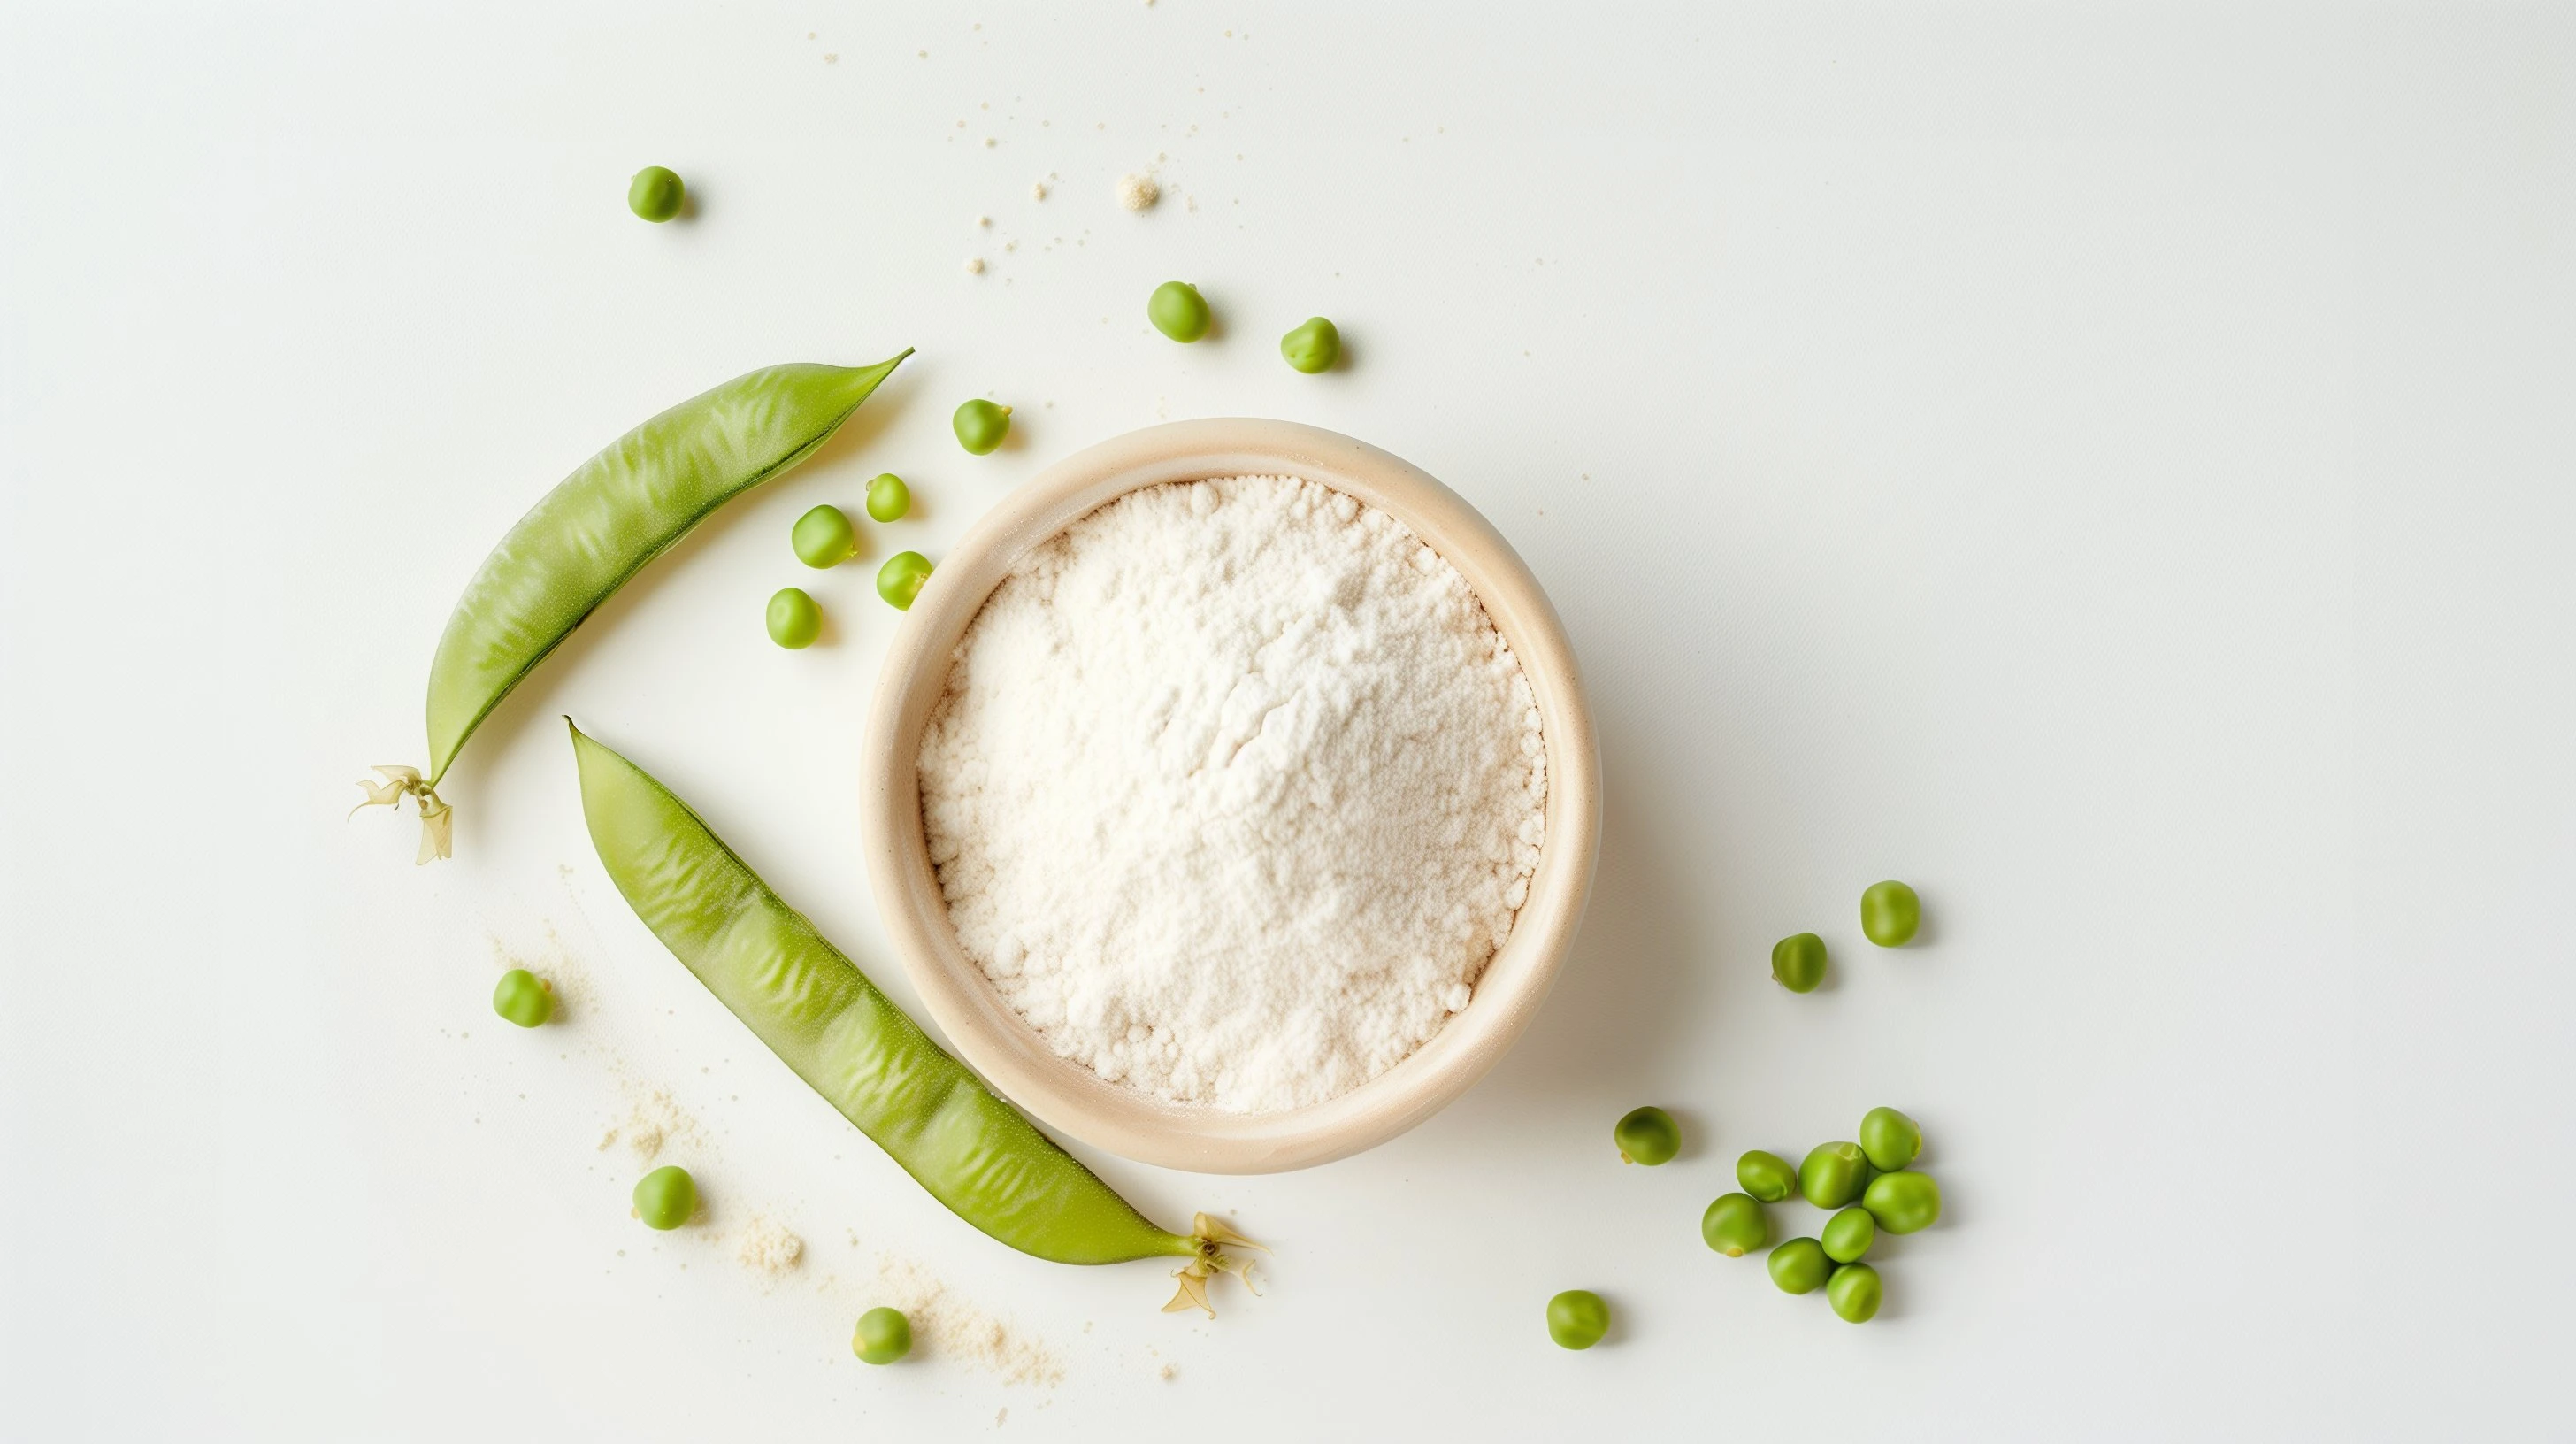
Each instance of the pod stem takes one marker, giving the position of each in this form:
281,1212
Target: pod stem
1208,1238
437,819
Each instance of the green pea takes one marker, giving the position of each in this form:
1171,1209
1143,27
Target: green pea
1834,1174
1577,1319
1178,311
981,425
1800,1266
1849,1234
666,1197
794,620
1735,1225
598,527
1889,914
1903,1202
654,194
1312,347
1798,963
1647,1135
884,1336
889,498
812,1006
1889,1138
1767,1176
900,579
824,537
1853,1292
523,998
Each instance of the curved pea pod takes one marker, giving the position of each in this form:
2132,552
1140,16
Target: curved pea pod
598,527
825,1020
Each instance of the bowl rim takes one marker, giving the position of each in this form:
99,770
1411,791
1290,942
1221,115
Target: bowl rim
1066,1095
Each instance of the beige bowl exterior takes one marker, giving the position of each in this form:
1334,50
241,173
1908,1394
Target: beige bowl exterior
1071,1098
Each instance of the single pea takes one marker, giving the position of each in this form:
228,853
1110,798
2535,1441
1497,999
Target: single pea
1889,1138
794,620
884,1336
889,498
1889,914
1312,347
523,998
1647,1135
824,537
1178,311
1854,1291
1767,1176
1834,1174
1903,1202
981,425
1798,963
1849,1234
1735,1225
666,1197
1800,1266
900,579
1577,1319
654,194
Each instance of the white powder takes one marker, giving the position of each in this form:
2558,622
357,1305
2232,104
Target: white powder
1234,791
1138,192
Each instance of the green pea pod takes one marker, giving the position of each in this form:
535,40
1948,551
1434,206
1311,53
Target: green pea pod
822,1016
598,527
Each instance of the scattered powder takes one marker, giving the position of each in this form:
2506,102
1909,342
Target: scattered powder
1037,190
1167,1372
653,1120
952,1326
1233,792
1138,192
768,1249
974,265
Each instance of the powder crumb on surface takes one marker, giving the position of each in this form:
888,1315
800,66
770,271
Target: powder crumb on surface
653,1121
974,265
1233,791
1138,192
953,1327
1167,1372
768,1248
1037,190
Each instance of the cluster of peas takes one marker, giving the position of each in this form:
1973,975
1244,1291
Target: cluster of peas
824,537
668,1196
1868,1184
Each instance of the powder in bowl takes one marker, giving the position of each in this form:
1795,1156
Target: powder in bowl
1233,791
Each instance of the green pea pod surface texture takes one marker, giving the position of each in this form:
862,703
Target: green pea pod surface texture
820,1014
600,526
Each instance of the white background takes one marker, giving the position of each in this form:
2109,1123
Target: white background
2114,472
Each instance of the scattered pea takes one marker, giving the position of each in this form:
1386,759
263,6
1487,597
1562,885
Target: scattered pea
1889,914
1312,347
1854,1292
981,425
1903,1202
884,1336
1766,1176
1647,1135
889,498
794,620
1178,310
1577,1319
1890,1139
523,998
1800,1266
824,537
666,1197
1735,1225
1849,1234
654,194
1834,1174
1798,963
900,579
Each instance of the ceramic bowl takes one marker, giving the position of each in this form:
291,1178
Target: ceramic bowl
1064,1094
